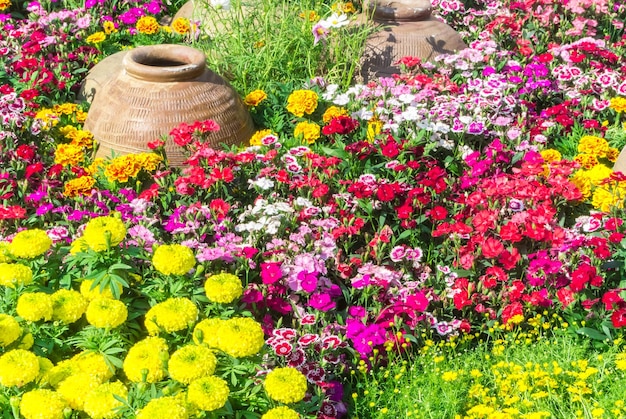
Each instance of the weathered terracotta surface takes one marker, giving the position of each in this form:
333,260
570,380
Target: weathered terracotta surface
620,163
99,75
406,28
157,88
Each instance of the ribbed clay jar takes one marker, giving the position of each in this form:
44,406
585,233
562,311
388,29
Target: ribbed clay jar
158,88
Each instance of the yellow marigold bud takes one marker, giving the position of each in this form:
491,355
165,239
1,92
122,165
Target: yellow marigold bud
106,313
240,337
67,305
34,306
79,245
223,288
207,332
10,330
42,404
18,367
286,385
171,407
15,274
5,255
173,259
28,244
55,375
26,342
191,362
101,232
100,403
208,393
255,97
148,357
281,412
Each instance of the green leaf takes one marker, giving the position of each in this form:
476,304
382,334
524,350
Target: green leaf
592,333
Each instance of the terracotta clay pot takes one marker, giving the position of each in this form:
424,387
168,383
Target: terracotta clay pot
405,28
157,88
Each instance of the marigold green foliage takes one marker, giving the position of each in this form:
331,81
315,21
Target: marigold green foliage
173,259
68,305
223,288
286,385
74,389
208,393
99,229
172,315
171,407
281,412
207,332
90,292
101,403
42,404
10,330
5,254
15,274
191,362
18,367
29,244
34,306
150,354
241,337
106,313
302,101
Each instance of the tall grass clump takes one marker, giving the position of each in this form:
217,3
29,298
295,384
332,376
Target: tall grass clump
254,43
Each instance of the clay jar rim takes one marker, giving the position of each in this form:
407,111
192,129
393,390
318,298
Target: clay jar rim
165,63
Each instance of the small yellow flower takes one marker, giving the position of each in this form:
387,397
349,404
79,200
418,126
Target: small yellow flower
147,25
255,97
181,25
109,27
618,104
96,38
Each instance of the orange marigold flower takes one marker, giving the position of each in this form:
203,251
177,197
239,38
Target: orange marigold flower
122,168
147,25
255,97
301,102
68,155
79,186
181,25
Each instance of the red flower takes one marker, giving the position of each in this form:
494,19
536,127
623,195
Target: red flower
509,258
511,310
405,211
33,169
14,212
219,208
150,193
611,297
438,213
341,125
386,192
619,318
390,149
492,248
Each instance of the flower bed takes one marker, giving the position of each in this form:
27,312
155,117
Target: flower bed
471,193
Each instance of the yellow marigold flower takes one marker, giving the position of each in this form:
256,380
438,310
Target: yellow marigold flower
333,112
96,38
171,407
18,367
74,389
281,412
598,173
286,385
582,182
147,356
612,154
80,186
106,313
551,155
26,342
241,337
173,259
147,25
122,168
34,306
5,255
5,4
69,155
55,375
605,199
81,138
103,231
191,362
15,274
94,364
67,305
595,146
10,330
208,393
618,104
148,161
42,404
257,137
45,365
308,131
95,166
100,403
587,161
207,332
28,244
66,108
302,101
255,97
90,292
181,25
171,315
108,27
223,288
48,117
